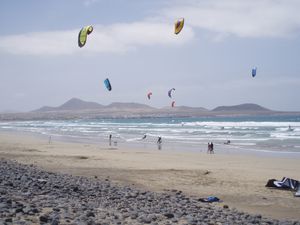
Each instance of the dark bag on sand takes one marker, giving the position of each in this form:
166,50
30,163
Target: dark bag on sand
285,183
271,183
297,194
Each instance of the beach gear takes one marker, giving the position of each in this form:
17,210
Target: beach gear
209,199
254,72
173,104
82,36
285,183
107,84
297,194
170,92
178,25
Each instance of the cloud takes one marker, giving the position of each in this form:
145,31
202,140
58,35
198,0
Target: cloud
88,3
246,19
115,38
250,19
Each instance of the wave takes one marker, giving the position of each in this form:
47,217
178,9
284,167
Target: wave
243,134
242,124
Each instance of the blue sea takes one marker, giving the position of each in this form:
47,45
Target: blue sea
253,134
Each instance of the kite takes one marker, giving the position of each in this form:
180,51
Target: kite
173,103
170,92
149,95
254,72
179,25
107,84
82,37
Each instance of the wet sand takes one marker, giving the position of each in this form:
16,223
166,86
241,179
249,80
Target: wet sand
239,180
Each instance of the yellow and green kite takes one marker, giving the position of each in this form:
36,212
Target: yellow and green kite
82,37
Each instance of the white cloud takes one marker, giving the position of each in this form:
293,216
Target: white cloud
39,43
88,3
115,38
243,18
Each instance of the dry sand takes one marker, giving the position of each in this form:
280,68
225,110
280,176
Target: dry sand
239,180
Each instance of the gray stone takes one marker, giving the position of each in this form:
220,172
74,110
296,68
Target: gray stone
169,215
44,218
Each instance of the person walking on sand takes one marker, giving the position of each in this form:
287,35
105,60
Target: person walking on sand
208,147
50,139
110,137
159,142
212,148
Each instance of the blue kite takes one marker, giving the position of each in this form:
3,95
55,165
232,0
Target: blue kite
254,72
107,84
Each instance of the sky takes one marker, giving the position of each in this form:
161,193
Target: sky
133,44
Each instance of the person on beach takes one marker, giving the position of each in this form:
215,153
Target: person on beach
110,137
50,139
159,142
212,148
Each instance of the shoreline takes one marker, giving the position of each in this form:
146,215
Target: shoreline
220,148
237,179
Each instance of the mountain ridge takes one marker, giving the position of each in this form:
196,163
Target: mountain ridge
78,109
72,104
76,104
240,107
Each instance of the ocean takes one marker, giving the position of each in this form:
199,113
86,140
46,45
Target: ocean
268,134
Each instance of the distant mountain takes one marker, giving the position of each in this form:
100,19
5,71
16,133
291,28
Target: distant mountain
186,108
248,107
78,104
78,109
10,111
45,109
131,105
73,104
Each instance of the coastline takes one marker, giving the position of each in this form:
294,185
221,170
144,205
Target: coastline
238,179
168,145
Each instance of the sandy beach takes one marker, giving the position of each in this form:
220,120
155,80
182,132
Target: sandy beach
239,180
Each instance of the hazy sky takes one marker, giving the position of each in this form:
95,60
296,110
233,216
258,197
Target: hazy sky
134,45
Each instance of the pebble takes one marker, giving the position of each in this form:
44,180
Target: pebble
29,195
